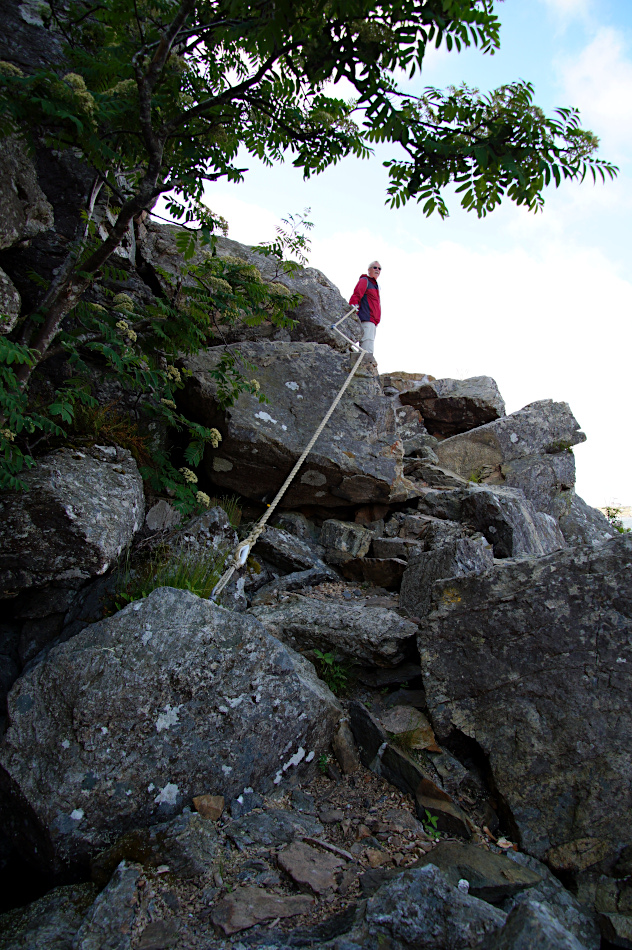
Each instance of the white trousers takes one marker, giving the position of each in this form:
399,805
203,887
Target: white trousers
368,336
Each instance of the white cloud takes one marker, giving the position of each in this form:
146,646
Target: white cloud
599,82
569,9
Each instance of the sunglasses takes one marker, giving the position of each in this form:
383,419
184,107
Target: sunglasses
375,268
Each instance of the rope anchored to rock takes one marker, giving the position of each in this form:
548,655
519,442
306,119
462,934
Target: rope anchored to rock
243,550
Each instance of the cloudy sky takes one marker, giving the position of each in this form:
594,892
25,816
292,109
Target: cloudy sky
543,303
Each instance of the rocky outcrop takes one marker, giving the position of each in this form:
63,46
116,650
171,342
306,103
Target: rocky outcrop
80,511
510,522
455,559
25,208
122,725
377,636
530,661
581,524
25,213
419,908
528,450
321,302
449,406
356,460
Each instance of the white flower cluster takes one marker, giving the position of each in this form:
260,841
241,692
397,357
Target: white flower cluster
8,435
168,402
202,498
125,328
215,437
189,476
174,373
123,302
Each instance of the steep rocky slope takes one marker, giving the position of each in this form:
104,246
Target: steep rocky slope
179,773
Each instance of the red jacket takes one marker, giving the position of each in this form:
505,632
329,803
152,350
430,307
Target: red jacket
366,296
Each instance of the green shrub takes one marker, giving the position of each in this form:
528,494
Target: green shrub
335,674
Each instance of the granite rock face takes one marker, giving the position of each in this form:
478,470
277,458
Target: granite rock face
532,925
377,635
449,406
454,559
25,213
49,923
510,522
419,908
358,459
528,450
122,725
564,906
80,511
541,428
320,306
25,208
581,524
531,661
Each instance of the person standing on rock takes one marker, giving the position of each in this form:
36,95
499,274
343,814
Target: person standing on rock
366,299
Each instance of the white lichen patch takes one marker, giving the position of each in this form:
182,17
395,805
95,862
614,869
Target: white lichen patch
77,814
167,795
295,760
168,718
65,744
227,769
292,385
265,417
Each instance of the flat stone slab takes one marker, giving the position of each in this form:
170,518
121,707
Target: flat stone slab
378,635
309,867
409,721
251,905
490,876
271,828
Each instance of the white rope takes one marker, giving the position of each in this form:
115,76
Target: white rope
243,550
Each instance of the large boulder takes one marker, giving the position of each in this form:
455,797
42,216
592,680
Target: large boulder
530,662
510,522
122,725
377,636
80,510
320,306
419,908
529,450
449,406
356,460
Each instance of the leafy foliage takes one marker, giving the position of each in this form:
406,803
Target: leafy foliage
613,514
335,674
429,821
